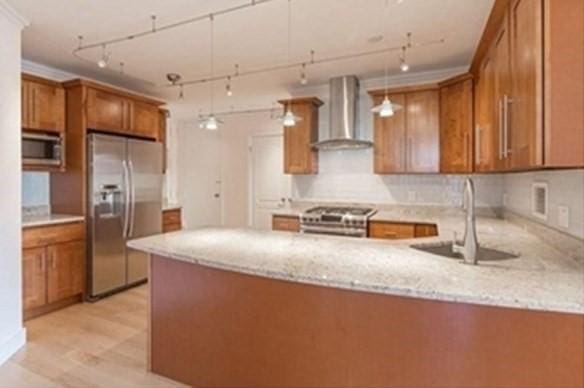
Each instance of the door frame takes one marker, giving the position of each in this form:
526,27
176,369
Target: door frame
250,175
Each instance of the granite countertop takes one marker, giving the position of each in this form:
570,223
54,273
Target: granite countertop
541,278
33,220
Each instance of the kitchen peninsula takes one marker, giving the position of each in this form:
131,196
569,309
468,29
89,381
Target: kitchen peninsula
335,311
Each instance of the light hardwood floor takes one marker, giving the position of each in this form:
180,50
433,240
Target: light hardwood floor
99,344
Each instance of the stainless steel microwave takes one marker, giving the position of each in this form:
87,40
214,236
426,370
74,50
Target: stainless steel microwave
42,149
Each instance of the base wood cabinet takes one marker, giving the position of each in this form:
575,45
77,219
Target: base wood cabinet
300,158
53,267
286,223
408,141
456,125
529,94
400,230
171,220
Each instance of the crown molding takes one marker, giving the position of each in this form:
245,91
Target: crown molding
45,71
10,13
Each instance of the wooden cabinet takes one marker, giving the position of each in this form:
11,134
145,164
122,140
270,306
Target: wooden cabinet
163,114
408,141
34,279
145,120
299,155
108,111
43,104
456,125
389,138
171,220
524,110
65,270
53,267
529,98
400,230
286,223
112,112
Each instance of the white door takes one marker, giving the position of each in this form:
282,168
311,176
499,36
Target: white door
199,183
270,189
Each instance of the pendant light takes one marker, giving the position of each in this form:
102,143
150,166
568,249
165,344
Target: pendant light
386,108
211,123
289,119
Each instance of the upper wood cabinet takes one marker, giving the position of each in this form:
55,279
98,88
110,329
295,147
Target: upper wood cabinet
408,141
43,104
528,74
299,155
163,114
456,125
111,110
107,111
389,138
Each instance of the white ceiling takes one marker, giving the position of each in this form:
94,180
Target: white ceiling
255,37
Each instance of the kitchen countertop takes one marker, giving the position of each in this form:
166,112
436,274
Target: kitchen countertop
29,221
541,278
171,206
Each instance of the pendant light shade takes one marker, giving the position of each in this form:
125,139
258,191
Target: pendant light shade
210,123
386,108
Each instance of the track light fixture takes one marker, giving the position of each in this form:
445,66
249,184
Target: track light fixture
403,65
303,79
105,56
228,89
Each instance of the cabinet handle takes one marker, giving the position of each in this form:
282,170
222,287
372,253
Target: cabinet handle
33,107
478,145
501,130
42,263
506,102
53,261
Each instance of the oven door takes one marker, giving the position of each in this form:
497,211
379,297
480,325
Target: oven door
40,149
333,230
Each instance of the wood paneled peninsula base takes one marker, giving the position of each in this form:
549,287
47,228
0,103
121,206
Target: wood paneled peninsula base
217,328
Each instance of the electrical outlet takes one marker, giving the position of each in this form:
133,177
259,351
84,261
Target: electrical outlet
563,217
411,196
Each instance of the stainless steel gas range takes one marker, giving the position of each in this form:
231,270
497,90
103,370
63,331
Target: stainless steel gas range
336,220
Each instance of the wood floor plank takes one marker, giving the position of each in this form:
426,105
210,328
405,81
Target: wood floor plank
100,344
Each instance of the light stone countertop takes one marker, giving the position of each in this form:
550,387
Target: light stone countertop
542,278
171,206
35,220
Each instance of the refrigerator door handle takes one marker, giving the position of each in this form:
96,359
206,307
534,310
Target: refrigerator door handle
127,199
132,200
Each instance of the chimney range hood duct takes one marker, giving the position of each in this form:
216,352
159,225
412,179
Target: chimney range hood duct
344,108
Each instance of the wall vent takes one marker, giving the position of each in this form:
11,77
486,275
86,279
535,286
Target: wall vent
539,200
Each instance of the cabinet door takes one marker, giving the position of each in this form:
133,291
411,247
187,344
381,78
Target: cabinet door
24,100
486,129
502,93
145,120
299,157
456,122
422,121
107,111
389,138
66,269
34,280
45,107
525,110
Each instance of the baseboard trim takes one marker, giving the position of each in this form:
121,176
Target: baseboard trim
12,345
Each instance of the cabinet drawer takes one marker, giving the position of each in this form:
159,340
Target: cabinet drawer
391,231
170,217
286,223
167,228
47,235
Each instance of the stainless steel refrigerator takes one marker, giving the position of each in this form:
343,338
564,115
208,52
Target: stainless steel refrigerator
125,202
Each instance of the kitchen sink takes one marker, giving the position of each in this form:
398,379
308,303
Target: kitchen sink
444,249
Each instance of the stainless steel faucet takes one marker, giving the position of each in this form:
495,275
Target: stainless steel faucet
470,245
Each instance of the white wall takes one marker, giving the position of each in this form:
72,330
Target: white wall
12,334
565,188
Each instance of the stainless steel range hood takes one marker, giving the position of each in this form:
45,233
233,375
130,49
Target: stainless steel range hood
344,109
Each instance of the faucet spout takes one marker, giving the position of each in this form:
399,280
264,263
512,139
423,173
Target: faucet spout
470,246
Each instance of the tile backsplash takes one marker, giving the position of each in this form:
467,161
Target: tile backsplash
348,176
35,189
565,189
